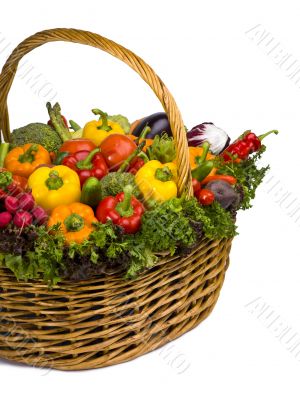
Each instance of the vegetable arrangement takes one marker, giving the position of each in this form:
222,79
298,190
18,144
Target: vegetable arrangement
76,202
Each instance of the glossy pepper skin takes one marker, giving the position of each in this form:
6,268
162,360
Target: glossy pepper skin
91,192
204,166
76,221
74,145
87,164
123,210
116,149
97,131
136,164
245,145
23,160
56,186
195,154
157,181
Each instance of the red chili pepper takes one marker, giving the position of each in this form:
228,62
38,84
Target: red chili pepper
123,210
206,197
227,178
87,164
245,145
135,165
255,141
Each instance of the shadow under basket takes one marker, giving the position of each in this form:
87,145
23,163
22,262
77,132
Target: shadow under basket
108,320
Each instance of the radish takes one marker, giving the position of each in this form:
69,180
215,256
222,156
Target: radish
26,201
22,219
11,204
5,219
40,216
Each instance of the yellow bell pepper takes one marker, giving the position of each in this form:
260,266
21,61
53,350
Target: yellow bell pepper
56,186
157,181
97,131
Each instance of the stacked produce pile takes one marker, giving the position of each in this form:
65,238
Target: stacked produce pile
77,202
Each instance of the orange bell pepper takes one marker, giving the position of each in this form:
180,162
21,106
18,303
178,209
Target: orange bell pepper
76,221
197,152
23,160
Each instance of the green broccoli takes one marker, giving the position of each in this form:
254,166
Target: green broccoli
36,133
114,183
45,135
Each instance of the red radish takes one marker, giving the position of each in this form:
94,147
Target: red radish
22,219
26,201
5,219
40,216
11,204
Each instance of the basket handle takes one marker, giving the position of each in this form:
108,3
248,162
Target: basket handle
120,52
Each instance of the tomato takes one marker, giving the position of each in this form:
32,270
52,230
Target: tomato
206,197
116,148
75,145
196,186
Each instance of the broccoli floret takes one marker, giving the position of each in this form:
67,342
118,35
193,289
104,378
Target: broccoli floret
37,133
50,137
114,183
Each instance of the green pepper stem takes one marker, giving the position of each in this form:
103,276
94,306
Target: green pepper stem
74,125
146,130
74,223
261,137
128,160
203,170
104,118
124,208
87,162
163,174
205,146
29,154
54,182
143,156
57,121
4,147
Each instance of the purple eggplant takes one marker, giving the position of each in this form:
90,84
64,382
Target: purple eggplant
158,124
208,132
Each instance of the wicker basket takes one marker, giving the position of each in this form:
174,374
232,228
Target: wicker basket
107,320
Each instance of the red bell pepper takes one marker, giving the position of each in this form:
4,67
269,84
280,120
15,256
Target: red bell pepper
123,210
87,164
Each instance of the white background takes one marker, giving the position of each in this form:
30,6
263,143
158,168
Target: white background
223,63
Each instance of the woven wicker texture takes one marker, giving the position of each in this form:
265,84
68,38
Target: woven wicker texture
105,321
